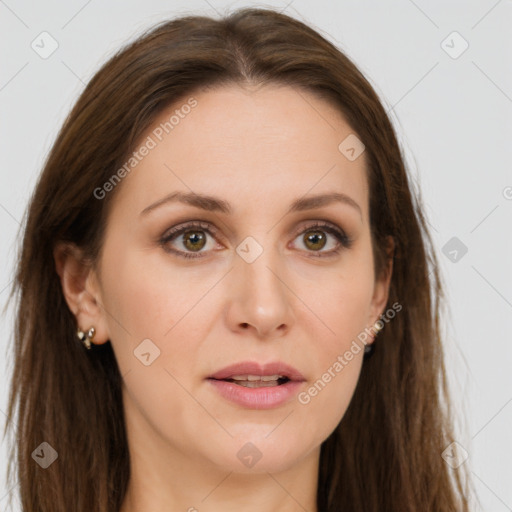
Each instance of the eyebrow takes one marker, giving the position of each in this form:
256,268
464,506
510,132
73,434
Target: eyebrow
214,204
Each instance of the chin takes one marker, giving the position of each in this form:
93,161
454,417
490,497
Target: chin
260,452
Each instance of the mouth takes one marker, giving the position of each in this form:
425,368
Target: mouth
257,381
252,374
254,386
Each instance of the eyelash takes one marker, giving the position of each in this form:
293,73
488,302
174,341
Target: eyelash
344,240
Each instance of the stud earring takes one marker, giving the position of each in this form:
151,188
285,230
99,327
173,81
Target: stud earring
369,349
86,337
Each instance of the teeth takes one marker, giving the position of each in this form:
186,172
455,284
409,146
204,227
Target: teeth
257,381
267,378
257,384
255,378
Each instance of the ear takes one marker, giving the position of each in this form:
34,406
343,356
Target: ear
381,287
81,290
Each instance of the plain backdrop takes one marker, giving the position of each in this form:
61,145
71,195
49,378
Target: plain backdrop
442,69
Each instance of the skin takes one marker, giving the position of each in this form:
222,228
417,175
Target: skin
259,149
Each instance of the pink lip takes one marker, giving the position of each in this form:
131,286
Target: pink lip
253,368
257,398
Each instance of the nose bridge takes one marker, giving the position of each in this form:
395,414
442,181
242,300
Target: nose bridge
259,263
261,291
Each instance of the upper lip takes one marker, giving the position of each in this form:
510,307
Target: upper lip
254,368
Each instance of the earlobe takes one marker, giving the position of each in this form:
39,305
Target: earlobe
79,289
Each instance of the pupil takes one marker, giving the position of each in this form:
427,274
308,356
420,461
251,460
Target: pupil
317,238
192,239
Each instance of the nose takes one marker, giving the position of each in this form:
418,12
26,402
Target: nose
260,297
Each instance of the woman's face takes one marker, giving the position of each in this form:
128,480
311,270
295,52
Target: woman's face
261,284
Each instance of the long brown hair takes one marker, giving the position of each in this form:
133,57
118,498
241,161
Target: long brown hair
386,452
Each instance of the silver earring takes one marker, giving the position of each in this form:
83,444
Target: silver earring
86,337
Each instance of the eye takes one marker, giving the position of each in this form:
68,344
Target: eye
316,236
194,239
193,236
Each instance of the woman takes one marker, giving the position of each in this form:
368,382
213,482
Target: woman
222,229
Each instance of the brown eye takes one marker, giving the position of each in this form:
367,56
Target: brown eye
194,240
318,236
315,240
189,240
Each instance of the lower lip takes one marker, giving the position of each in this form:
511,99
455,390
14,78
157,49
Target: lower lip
256,398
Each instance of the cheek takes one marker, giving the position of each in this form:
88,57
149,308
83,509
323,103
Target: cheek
327,398
155,342
342,304
148,295
337,356
157,308
342,301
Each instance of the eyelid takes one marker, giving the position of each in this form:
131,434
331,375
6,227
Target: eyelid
317,223
181,228
208,226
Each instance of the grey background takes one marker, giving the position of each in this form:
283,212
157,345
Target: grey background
454,120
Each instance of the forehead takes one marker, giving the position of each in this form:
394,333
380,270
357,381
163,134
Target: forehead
245,144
